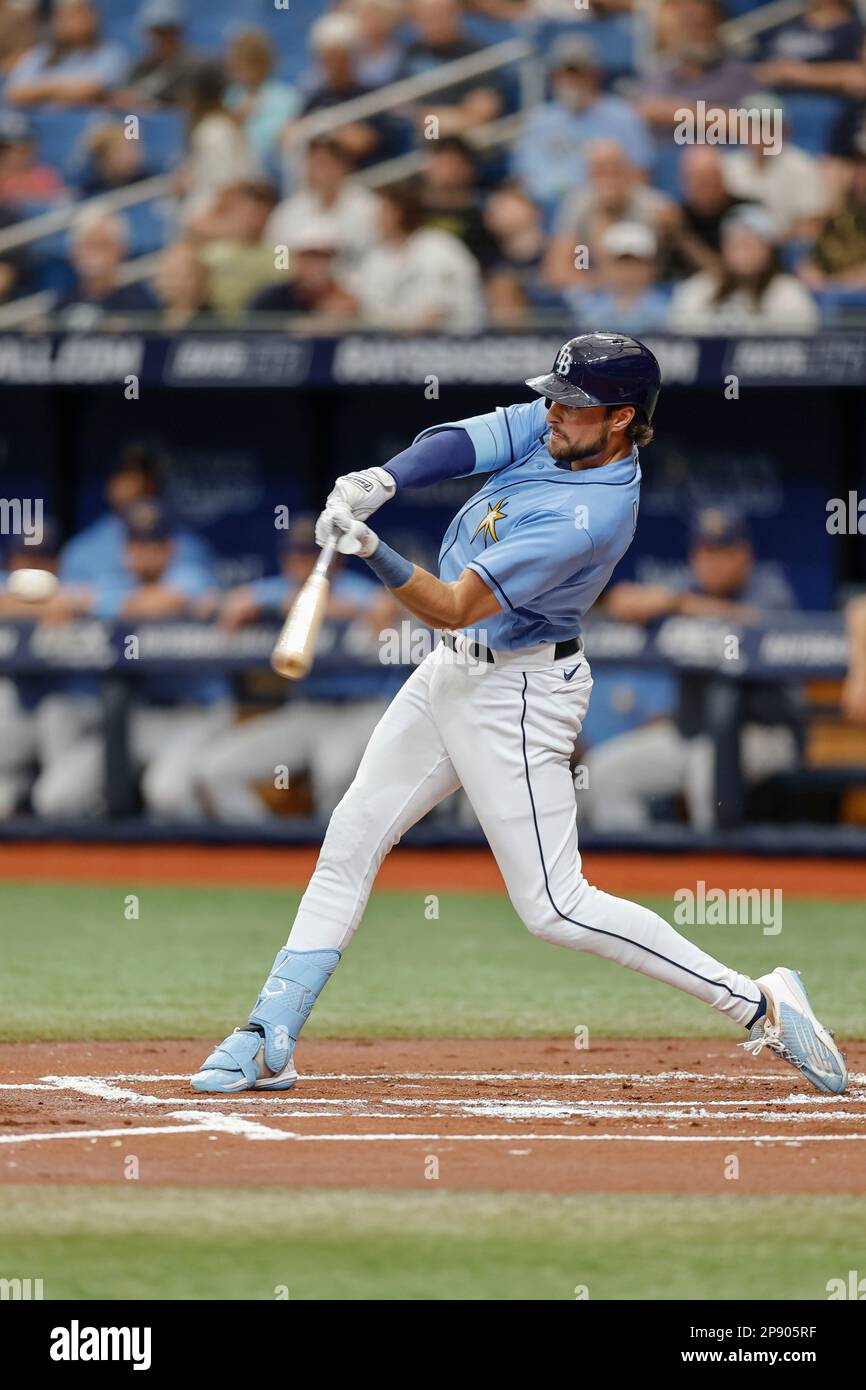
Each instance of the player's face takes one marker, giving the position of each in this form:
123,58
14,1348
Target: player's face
148,560
721,570
577,432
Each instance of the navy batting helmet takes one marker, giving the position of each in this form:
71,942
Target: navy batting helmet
602,369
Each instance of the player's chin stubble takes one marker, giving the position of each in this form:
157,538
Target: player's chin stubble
559,448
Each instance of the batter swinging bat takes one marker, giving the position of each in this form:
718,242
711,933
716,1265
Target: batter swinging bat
293,654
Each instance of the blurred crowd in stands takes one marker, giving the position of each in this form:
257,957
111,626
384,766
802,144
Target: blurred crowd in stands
234,747
498,199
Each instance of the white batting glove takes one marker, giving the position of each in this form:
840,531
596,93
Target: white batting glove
353,537
363,492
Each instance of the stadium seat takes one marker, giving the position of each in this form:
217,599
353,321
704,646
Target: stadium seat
810,118
163,134
59,133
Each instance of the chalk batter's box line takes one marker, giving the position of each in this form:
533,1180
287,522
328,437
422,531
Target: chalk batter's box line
214,1123
438,1138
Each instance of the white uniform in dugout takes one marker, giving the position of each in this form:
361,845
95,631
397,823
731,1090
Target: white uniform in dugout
497,706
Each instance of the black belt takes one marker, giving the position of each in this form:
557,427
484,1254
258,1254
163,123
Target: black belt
480,653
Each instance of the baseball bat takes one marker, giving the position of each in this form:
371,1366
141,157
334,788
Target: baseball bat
295,647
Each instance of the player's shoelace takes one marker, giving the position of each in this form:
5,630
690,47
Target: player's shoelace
769,1037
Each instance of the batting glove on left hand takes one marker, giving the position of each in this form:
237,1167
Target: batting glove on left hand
353,537
363,492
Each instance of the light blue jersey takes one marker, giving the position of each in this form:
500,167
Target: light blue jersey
543,538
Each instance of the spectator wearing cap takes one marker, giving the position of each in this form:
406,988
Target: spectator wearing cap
323,731
22,179
95,555
837,260
417,279
379,57
749,293
230,237
335,40
161,74
816,51
626,296
219,153
259,100
439,38
789,183
451,196
74,67
676,756
313,286
549,156
615,192
175,718
99,241
695,67
328,197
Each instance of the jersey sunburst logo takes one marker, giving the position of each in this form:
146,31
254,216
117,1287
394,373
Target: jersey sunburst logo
487,524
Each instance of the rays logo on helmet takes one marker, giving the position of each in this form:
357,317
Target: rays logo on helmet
564,362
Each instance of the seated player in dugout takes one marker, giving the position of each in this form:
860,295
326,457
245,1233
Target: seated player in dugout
325,724
175,717
497,705
676,756
97,552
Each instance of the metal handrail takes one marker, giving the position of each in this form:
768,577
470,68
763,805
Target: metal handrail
373,103
47,223
407,89
483,137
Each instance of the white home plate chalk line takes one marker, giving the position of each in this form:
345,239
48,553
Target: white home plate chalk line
249,1110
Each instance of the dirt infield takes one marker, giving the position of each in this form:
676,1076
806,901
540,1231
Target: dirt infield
466,871
505,1114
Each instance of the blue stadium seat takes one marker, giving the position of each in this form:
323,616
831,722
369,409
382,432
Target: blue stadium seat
809,119
59,133
666,171
164,137
151,226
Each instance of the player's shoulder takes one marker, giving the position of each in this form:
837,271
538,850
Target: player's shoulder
526,426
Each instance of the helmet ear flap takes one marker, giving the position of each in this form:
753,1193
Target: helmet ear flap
547,403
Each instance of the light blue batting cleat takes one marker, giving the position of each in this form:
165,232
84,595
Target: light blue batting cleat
258,1057
791,1029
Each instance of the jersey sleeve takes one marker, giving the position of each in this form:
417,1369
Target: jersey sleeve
500,437
543,550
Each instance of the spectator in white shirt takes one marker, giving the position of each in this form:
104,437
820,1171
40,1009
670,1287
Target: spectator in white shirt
328,197
749,293
419,279
790,184
219,153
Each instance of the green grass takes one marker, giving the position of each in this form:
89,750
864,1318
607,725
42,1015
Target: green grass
191,966
145,1243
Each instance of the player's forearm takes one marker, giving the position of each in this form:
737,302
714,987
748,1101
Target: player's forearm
467,600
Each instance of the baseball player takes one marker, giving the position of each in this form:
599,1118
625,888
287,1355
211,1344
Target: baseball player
497,705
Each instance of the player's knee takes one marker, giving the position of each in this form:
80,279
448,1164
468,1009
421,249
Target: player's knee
61,798
167,795
557,921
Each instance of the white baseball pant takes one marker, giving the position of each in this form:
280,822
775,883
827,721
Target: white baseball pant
505,732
